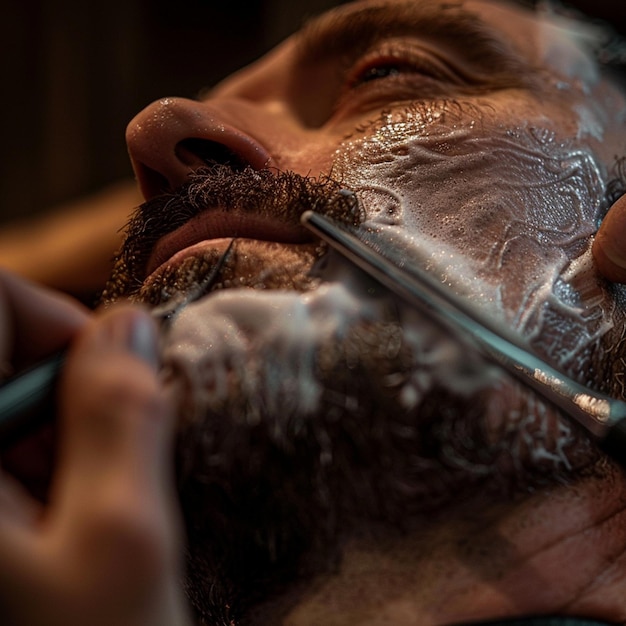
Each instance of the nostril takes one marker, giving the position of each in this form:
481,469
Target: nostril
192,154
197,152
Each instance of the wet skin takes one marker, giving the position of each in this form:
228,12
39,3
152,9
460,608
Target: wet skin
483,140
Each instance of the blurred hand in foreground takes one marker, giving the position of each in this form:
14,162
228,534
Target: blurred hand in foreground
105,548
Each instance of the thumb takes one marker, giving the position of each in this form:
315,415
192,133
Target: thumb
609,247
115,422
113,521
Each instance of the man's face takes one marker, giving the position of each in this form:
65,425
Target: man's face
477,136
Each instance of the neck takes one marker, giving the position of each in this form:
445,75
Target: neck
558,552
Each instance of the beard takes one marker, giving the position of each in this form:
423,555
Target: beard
396,421
250,194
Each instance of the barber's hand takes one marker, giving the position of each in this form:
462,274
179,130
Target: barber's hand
105,550
609,248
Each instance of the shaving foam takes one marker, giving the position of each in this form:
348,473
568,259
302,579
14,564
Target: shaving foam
270,339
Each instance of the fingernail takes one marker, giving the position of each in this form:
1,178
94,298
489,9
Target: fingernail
613,233
617,256
613,250
133,330
143,340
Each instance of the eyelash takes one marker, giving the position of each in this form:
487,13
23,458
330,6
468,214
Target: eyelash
381,70
369,69
405,66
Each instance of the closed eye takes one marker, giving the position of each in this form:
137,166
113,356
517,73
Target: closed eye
389,64
356,59
395,71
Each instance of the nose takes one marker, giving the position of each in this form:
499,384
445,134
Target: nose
172,137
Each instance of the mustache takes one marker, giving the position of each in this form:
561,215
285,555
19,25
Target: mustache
282,195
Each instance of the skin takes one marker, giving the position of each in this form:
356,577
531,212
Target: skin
110,499
532,112
608,246
475,558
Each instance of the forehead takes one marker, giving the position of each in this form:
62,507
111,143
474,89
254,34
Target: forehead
505,22
496,12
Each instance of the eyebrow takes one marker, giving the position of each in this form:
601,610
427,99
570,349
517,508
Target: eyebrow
349,33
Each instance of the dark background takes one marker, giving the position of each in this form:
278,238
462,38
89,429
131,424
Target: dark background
75,72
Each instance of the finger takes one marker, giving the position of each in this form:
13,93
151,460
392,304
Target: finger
34,322
113,486
113,412
609,247
19,517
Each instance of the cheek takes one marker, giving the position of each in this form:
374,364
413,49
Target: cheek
499,213
307,153
476,186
